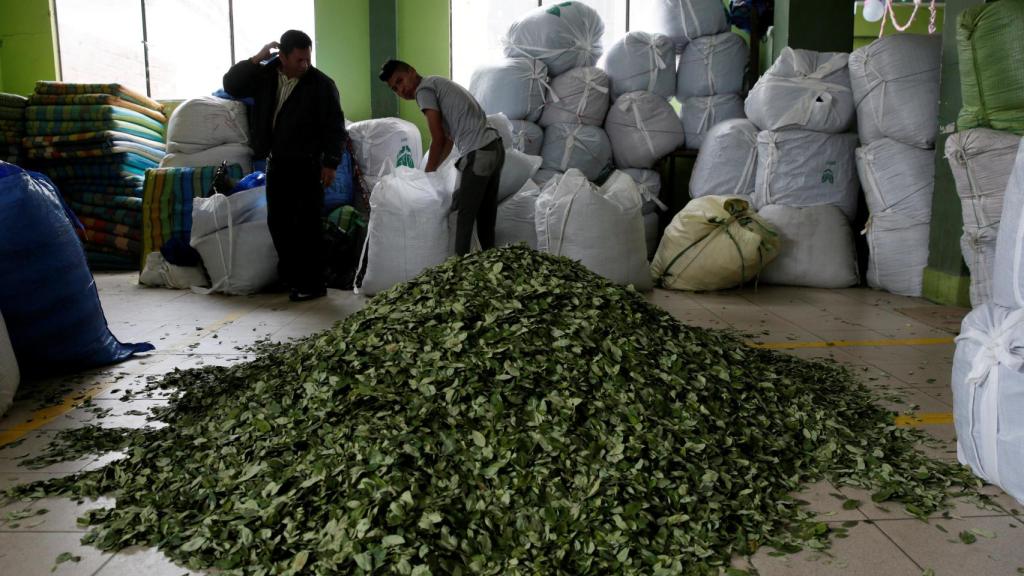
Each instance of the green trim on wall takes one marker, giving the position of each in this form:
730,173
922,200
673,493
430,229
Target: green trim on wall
27,45
424,41
383,47
947,289
343,51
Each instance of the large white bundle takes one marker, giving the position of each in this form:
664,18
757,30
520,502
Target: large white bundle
527,137
579,146
804,90
641,61
545,175
233,239
201,123
385,143
714,243
564,36
408,229
801,168
10,375
978,247
515,87
1008,288
700,114
895,83
898,253
816,247
158,272
643,128
712,65
580,96
727,162
683,20
517,171
897,178
602,228
231,153
982,161
988,396
503,125
648,182
515,222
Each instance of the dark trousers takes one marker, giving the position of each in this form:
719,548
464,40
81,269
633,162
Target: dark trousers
477,197
295,203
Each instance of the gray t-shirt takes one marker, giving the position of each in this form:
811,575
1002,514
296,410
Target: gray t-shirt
464,119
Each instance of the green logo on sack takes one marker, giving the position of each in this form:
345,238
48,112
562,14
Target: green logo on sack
556,10
405,158
828,176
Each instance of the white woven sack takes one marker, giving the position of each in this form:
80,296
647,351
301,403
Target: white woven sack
515,222
517,171
158,272
803,90
701,114
10,375
602,228
579,96
503,125
527,137
978,247
641,61
408,229
727,162
897,178
579,146
648,182
683,20
712,65
643,128
898,253
515,87
801,168
207,122
982,161
1008,285
545,175
895,82
816,247
988,396
564,36
233,239
385,143
239,154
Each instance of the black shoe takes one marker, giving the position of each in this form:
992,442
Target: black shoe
302,296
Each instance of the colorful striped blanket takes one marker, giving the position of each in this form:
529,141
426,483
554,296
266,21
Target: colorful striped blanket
93,150
125,165
10,138
129,217
12,100
103,200
12,113
118,90
94,100
64,127
88,138
12,125
111,241
167,202
80,113
99,225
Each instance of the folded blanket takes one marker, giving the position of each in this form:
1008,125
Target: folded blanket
102,137
125,165
80,113
92,150
64,127
104,200
111,241
129,217
114,228
12,100
118,90
11,138
94,100
99,260
12,113
12,126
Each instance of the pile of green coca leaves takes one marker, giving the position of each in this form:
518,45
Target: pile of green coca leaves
505,413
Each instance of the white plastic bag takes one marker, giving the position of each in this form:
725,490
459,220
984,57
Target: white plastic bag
712,65
516,87
898,253
801,168
803,90
1008,285
527,137
603,228
683,20
239,154
897,178
641,61
579,146
516,222
701,114
232,238
206,122
580,96
648,182
816,247
385,143
643,128
160,273
982,161
727,162
517,170
10,375
564,36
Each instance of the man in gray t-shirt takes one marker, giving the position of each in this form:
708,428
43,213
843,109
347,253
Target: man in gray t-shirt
456,119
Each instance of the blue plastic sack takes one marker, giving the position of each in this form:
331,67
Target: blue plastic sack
48,297
221,93
339,193
250,181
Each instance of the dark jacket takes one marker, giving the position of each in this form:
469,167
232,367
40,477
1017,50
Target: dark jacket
310,123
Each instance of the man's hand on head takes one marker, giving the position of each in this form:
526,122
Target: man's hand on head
327,176
264,52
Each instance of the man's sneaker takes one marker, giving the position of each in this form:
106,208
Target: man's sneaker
302,296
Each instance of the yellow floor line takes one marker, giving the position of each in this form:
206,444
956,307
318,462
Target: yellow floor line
853,343
44,416
924,419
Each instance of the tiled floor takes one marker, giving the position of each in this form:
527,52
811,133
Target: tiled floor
194,330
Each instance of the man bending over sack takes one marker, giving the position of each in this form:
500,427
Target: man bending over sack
298,125
455,118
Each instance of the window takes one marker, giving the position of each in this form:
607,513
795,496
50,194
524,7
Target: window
185,46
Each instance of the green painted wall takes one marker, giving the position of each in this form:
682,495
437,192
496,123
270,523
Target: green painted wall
343,51
424,41
27,45
822,25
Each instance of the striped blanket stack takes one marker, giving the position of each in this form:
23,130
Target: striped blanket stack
96,141
12,126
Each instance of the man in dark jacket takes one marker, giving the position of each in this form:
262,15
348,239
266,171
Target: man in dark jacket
298,125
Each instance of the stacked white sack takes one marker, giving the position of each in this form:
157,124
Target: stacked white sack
207,131
641,61
727,162
684,20
564,36
579,146
579,96
515,87
803,90
642,127
1008,282
385,143
702,113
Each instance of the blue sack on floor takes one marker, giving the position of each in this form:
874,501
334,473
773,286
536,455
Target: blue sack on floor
48,297
340,192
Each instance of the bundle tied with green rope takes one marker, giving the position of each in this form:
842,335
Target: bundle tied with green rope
714,243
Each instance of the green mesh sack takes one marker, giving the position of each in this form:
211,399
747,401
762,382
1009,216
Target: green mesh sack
991,48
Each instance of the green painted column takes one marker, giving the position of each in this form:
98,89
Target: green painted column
821,25
946,279
343,52
424,41
383,47
28,50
